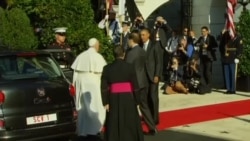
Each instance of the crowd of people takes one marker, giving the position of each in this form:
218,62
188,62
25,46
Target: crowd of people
111,95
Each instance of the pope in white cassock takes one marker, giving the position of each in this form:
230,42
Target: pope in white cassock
87,68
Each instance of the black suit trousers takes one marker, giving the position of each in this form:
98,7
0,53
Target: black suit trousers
144,108
206,68
162,59
154,101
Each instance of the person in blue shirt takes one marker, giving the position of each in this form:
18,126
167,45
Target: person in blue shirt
185,50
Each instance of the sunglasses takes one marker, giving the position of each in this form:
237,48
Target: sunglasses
61,33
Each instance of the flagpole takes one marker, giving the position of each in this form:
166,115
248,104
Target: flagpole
107,12
121,36
121,12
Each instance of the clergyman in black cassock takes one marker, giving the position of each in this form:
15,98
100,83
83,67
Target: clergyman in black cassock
119,88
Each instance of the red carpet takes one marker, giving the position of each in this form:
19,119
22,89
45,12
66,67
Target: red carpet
203,113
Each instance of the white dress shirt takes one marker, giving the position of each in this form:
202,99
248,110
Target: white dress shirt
145,45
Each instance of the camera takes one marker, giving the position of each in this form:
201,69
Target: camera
158,24
179,45
192,63
138,21
202,44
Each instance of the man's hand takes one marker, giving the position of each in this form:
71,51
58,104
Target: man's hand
106,17
156,79
181,48
236,60
107,107
174,67
205,46
161,20
193,67
140,19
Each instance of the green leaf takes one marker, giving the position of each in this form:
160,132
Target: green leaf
244,30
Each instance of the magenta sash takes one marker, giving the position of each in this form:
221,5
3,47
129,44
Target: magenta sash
124,87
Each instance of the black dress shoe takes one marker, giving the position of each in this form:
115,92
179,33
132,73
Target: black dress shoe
156,122
232,92
152,132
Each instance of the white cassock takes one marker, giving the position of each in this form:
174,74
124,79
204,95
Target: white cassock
87,68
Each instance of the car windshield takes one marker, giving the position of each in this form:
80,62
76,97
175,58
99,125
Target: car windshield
28,67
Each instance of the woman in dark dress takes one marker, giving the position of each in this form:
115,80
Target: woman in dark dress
120,99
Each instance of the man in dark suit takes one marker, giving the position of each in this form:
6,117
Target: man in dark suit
125,33
208,45
137,56
160,37
153,69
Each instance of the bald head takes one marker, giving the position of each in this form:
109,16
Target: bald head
94,43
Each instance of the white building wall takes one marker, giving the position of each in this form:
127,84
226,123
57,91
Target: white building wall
147,7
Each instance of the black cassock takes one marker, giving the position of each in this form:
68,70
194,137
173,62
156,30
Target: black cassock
118,86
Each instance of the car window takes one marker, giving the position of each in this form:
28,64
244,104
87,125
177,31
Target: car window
25,67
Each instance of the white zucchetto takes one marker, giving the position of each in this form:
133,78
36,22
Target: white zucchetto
92,42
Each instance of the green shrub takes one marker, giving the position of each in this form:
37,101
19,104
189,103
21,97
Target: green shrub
16,30
76,15
244,30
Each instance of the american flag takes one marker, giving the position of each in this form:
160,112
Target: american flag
229,25
127,18
131,10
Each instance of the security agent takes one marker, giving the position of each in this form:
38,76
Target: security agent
231,52
60,37
125,34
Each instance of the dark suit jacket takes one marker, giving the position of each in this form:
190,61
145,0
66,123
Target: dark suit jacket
212,44
153,62
163,31
137,57
125,41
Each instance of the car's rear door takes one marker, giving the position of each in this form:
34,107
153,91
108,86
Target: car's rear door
36,101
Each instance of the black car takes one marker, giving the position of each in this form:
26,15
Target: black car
65,59
36,100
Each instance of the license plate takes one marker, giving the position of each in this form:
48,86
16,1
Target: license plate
41,119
